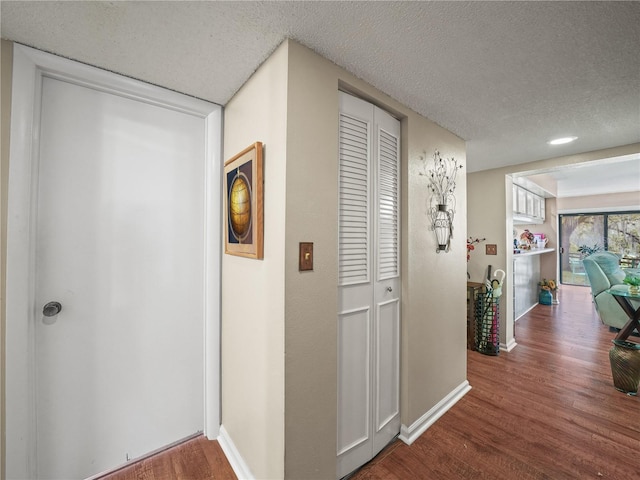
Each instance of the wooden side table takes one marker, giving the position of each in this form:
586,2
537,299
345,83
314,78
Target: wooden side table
473,288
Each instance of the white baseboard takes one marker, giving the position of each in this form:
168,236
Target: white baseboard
510,345
240,467
525,312
410,434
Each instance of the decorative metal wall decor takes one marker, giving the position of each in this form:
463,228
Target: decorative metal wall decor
442,204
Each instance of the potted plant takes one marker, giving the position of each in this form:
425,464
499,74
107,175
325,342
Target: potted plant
548,292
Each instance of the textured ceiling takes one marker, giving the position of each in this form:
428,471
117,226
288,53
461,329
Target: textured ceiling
504,76
600,177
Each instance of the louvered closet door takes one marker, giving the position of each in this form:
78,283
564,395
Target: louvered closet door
369,283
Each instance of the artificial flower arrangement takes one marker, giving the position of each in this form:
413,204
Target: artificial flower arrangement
549,285
470,245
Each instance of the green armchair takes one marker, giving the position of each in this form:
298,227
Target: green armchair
603,270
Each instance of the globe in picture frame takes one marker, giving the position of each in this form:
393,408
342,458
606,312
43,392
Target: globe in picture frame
243,203
240,207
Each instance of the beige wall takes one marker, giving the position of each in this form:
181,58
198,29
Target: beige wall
305,209
434,284
430,369
5,120
253,291
488,194
311,297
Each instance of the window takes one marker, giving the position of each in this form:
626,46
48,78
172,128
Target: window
582,234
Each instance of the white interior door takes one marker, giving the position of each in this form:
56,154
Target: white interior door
369,289
119,222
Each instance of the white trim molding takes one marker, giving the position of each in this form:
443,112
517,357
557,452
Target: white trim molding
510,345
240,467
410,434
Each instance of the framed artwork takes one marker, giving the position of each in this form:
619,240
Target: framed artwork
243,203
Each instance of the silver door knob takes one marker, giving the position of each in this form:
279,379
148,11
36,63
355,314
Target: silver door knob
51,309
389,289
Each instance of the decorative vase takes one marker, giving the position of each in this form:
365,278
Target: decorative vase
442,227
625,366
554,296
545,297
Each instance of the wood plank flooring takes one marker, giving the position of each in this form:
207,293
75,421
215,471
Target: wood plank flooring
196,459
546,410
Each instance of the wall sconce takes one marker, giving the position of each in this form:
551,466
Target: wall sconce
442,206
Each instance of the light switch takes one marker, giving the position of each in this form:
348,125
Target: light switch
306,256
491,249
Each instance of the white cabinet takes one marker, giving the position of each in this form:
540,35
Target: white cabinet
528,207
519,200
531,205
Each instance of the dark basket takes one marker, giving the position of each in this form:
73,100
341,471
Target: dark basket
487,338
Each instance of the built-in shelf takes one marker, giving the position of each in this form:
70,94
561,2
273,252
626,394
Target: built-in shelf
526,275
533,251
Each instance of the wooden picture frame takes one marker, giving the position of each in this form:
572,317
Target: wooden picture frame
243,203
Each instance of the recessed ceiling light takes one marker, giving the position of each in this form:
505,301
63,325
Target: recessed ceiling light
561,141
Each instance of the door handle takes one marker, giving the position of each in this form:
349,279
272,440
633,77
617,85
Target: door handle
51,309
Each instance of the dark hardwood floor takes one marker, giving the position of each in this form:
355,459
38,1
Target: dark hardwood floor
196,459
546,410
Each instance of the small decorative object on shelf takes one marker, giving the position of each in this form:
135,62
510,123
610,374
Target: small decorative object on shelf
625,366
550,286
527,237
634,284
442,183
